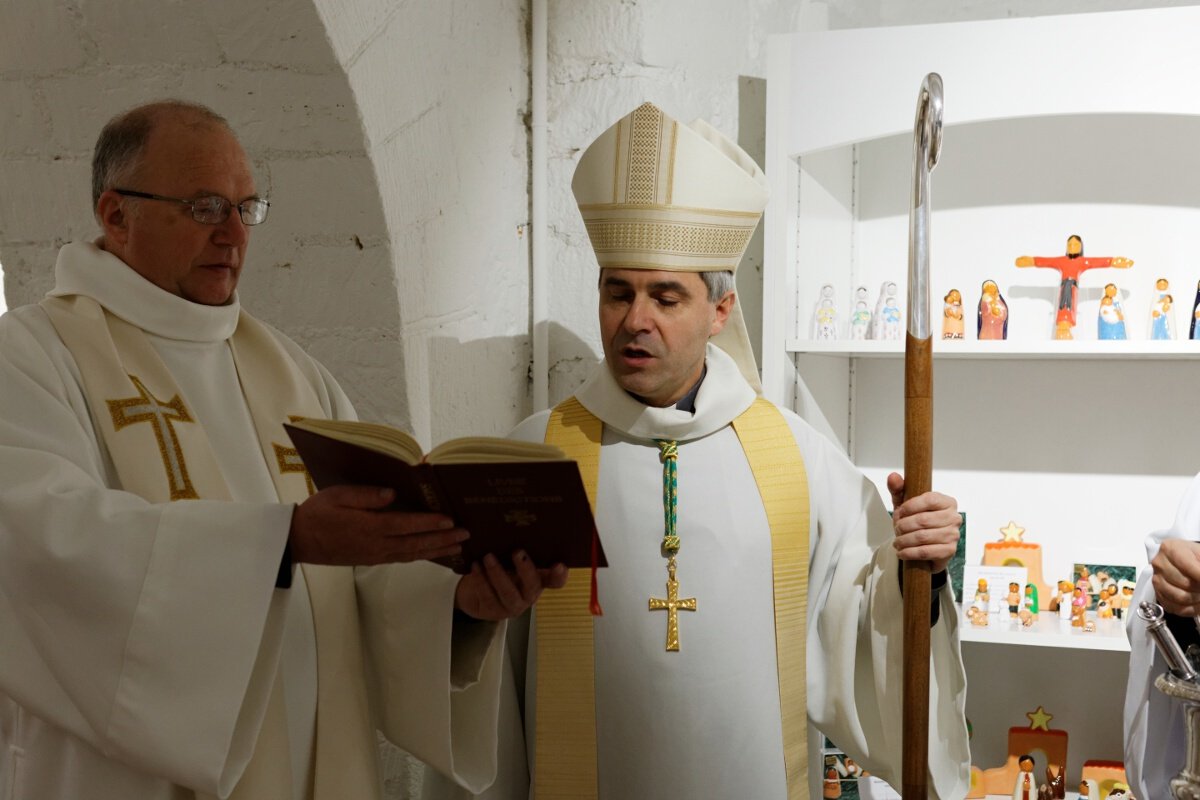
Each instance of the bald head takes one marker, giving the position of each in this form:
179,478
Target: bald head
122,142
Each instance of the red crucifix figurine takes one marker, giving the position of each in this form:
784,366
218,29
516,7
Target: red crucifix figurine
1070,267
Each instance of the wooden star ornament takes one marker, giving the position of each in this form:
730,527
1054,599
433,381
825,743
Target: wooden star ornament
1012,532
1039,719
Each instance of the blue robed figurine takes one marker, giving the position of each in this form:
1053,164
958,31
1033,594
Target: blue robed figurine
1195,313
1111,320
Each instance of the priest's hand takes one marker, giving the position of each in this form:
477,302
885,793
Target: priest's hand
926,526
489,592
347,526
1176,579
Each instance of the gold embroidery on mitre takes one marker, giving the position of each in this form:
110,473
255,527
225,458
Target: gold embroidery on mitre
643,155
161,416
288,460
712,241
645,149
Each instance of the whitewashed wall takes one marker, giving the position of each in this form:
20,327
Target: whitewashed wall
320,269
392,137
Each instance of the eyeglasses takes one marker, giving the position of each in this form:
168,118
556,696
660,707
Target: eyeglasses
213,209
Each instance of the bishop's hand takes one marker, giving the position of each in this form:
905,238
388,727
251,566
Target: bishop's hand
489,592
347,526
1176,579
926,526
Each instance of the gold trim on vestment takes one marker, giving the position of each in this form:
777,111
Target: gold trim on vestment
778,469
565,733
565,756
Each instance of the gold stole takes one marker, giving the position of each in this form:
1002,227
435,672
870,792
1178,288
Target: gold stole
565,738
161,453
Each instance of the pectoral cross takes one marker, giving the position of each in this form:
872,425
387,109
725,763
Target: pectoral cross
161,416
673,605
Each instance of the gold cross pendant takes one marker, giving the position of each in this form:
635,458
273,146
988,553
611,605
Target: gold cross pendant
673,605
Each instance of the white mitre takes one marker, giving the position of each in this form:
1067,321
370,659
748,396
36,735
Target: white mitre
656,194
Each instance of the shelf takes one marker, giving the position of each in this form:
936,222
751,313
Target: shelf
1048,350
1048,631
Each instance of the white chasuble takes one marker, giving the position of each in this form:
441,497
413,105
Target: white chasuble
151,655
706,721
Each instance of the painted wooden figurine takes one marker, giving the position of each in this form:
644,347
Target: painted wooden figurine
825,317
1162,326
992,318
1070,267
1088,790
1029,606
1066,592
1079,604
1014,599
982,598
977,612
860,318
891,319
1124,598
952,315
832,785
886,322
1026,787
1194,333
1104,608
1111,320
1056,783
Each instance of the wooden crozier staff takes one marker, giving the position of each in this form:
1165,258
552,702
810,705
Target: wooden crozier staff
918,438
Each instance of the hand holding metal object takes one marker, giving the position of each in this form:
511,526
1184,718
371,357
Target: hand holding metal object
1156,624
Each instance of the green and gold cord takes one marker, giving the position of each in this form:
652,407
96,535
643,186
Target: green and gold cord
669,456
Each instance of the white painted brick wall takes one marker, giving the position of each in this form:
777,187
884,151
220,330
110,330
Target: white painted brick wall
269,67
393,138
442,87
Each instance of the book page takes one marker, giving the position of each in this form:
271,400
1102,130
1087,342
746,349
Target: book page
485,449
382,438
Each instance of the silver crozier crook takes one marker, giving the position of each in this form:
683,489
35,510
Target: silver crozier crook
918,439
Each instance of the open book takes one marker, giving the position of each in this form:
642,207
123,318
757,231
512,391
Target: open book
508,494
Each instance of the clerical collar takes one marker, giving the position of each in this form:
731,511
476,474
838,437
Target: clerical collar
84,269
687,402
719,398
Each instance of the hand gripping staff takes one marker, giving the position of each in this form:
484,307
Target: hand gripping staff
918,438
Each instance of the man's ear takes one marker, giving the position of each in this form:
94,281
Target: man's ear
723,308
113,217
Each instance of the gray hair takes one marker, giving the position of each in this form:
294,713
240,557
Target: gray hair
119,147
719,284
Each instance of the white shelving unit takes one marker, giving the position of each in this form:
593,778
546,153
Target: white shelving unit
994,350
1084,124
1050,631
